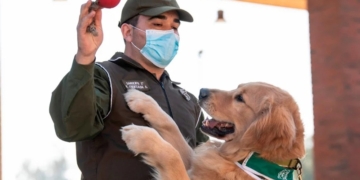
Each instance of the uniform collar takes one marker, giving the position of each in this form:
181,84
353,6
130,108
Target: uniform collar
120,56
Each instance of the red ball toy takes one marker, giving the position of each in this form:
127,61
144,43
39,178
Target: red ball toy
108,3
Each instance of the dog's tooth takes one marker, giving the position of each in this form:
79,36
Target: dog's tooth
229,125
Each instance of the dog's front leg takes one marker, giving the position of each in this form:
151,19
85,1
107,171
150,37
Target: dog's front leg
155,151
141,103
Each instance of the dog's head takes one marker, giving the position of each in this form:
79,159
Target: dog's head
254,117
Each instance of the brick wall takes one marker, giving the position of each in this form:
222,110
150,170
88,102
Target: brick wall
335,56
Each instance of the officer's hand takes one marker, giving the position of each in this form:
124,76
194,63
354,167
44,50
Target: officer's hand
88,44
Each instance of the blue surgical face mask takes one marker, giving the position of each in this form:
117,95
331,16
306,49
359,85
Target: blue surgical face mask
161,46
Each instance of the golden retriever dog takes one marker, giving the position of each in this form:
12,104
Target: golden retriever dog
260,132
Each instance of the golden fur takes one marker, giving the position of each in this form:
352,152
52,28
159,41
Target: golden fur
266,120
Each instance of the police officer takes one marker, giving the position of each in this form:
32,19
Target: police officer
88,107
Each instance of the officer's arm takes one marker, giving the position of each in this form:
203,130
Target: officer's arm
79,103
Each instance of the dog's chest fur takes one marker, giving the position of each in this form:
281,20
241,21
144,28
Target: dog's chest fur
209,165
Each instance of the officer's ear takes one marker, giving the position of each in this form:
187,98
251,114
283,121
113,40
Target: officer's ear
127,32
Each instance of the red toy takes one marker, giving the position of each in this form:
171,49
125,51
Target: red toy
108,3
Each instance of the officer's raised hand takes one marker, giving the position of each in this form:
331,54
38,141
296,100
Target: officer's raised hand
88,43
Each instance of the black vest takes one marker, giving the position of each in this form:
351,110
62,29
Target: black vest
106,157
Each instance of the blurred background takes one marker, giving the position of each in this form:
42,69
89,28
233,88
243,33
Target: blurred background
248,42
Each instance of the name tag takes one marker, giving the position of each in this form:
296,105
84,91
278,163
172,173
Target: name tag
134,84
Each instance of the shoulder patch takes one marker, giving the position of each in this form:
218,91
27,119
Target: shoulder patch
184,93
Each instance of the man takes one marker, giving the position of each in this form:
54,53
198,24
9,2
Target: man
88,106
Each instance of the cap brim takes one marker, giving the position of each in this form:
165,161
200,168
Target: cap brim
183,15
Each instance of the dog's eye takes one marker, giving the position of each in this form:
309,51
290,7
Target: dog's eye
239,98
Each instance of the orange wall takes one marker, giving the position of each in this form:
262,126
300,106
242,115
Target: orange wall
298,4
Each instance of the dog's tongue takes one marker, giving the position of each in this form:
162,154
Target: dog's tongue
210,123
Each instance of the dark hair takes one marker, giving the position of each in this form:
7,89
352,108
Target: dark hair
132,21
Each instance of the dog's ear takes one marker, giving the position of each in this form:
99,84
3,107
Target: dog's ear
273,129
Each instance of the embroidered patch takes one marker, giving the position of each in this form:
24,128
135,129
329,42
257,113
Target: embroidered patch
185,94
134,84
284,174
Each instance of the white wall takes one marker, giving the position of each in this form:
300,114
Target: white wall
38,41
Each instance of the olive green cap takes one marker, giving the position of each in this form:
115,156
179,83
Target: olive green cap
152,8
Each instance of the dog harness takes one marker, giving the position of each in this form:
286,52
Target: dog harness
260,169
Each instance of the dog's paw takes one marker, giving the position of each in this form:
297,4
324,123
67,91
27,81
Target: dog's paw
141,139
139,102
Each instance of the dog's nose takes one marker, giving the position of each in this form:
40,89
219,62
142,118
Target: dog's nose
204,93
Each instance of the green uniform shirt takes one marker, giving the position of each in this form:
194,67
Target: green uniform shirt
81,100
